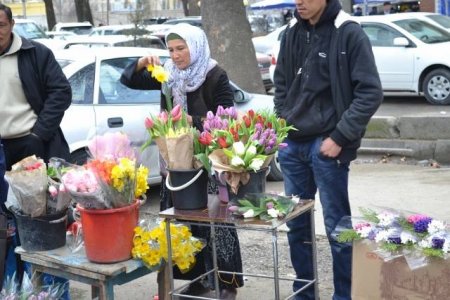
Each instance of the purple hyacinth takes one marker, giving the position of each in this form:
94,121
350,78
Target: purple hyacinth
437,243
422,225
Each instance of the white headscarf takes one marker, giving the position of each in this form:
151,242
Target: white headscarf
191,78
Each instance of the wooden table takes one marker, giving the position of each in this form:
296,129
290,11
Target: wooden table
218,215
62,262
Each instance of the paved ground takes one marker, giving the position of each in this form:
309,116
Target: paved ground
384,182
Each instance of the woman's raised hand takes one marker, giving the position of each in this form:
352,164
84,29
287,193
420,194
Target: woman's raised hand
148,60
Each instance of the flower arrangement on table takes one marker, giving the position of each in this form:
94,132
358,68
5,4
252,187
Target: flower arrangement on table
414,235
36,188
265,206
112,178
237,145
150,245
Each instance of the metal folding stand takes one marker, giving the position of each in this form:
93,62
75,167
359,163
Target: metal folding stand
218,215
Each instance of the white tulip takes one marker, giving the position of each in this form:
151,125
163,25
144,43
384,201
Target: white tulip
249,213
236,161
239,148
273,212
256,164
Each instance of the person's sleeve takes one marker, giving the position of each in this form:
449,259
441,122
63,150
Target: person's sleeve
141,80
279,79
58,96
367,91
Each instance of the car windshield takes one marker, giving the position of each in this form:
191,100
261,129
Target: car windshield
29,30
78,29
426,32
444,21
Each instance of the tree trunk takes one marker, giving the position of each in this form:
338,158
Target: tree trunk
229,35
83,10
185,7
194,9
51,18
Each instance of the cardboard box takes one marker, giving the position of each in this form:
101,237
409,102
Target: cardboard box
374,279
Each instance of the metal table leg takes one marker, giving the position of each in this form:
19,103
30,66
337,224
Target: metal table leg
216,268
275,263
314,249
169,258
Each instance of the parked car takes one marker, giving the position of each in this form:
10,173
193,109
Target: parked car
101,103
81,28
194,20
434,18
30,29
60,35
264,43
129,29
100,41
411,55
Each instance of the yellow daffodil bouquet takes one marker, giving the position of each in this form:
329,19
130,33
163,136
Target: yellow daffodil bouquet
150,245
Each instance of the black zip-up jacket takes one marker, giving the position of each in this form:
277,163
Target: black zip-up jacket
48,91
348,76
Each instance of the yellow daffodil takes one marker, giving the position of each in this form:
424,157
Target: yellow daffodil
158,73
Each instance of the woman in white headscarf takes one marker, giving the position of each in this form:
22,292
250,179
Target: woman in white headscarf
199,85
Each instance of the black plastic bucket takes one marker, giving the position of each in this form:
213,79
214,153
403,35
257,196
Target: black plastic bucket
189,188
42,233
256,184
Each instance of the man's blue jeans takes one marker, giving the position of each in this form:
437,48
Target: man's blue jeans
305,170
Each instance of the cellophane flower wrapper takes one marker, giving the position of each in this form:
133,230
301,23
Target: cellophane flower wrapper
150,244
265,206
26,291
58,198
417,237
114,165
83,187
28,181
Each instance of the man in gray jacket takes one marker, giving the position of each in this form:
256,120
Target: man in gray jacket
328,87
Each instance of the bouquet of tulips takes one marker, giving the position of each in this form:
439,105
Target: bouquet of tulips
240,144
174,136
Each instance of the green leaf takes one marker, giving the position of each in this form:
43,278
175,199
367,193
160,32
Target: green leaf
348,235
431,252
246,203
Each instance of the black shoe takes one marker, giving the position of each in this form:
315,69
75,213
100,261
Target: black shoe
194,289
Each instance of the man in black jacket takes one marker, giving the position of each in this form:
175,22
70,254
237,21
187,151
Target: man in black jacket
328,87
34,96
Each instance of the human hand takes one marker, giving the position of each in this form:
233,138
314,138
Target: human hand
144,61
329,148
189,119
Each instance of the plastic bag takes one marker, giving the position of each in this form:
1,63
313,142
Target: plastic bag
28,181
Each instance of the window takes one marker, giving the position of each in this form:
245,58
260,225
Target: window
114,92
426,32
82,84
380,36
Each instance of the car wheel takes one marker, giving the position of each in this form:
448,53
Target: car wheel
275,170
79,157
436,87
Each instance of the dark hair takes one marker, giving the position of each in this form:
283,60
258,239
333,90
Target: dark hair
387,3
7,11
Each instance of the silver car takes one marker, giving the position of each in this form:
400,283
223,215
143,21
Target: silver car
100,103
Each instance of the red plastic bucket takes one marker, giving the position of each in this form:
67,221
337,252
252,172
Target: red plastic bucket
108,233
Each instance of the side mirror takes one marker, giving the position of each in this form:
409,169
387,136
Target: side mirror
401,41
239,96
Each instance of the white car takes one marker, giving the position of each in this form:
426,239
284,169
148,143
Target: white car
100,41
434,18
412,55
100,103
30,29
264,44
81,28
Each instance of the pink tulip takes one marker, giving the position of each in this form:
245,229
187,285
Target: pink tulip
148,123
233,208
163,117
176,112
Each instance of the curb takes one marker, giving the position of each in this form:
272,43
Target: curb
418,137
